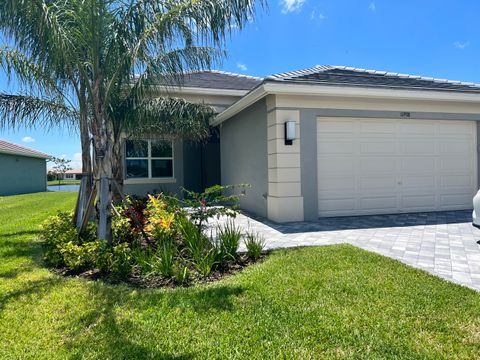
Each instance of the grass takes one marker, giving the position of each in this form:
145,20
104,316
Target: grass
326,302
63,182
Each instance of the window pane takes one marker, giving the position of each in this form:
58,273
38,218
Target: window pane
161,148
162,168
137,168
137,148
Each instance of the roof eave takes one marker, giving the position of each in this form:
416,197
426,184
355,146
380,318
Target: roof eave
39,156
285,88
201,91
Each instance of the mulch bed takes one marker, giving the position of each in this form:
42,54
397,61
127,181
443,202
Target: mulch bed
138,280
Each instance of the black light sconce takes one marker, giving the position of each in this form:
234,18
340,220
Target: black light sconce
289,132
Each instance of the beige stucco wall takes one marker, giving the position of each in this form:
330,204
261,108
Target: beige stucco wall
284,201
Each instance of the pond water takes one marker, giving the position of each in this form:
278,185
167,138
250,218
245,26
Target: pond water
63,188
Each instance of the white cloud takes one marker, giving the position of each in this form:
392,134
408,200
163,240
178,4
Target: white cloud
28,139
242,67
461,45
317,15
291,5
372,6
76,160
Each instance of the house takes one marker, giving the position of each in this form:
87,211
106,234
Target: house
23,170
327,141
73,174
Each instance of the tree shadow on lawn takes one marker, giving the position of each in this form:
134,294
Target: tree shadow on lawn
116,336
31,289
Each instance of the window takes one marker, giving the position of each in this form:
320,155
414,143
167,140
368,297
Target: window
68,176
149,159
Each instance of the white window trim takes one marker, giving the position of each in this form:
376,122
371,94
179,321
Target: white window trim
150,179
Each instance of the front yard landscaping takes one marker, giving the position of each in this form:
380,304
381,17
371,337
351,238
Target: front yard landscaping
323,302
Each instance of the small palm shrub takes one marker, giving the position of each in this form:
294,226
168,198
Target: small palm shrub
228,240
255,244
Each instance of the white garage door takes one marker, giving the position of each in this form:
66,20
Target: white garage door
381,166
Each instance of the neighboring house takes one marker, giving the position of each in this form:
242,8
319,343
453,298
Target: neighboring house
73,174
23,170
364,142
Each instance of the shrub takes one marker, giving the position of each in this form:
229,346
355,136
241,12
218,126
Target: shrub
228,240
59,236
122,230
57,231
79,257
255,244
161,217
116,260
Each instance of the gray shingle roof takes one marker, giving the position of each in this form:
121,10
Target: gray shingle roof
214,79
349,76
14,149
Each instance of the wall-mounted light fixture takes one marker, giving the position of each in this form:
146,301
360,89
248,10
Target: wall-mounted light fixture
289,132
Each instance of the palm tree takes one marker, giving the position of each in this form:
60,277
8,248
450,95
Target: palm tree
103,59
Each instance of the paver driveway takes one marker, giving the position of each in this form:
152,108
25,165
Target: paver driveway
442,243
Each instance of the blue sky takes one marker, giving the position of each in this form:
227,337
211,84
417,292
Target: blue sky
427,37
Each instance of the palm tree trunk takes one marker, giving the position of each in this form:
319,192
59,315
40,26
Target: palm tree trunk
87,177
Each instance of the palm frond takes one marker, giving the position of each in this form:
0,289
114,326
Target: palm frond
168,116
32,112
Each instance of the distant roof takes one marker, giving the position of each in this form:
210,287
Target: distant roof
74,171
9,148
215,79
349,76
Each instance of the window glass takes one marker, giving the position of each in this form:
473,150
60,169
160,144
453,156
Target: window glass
137,148
161,148
137,168
162,168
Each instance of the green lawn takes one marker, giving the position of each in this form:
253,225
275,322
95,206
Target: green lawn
326,302
63,182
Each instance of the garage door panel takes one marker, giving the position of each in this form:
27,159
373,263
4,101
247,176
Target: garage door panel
337,164
411,147
378,183
418,182
451,147
462,181
409,127
377,166
338,183
415,165
455,200
377,147
380,203
339,205
415,202
457,128
456,164
377,127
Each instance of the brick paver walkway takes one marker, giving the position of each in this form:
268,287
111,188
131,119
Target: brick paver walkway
442,243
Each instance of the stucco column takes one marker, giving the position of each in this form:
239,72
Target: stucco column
285,200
